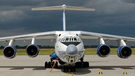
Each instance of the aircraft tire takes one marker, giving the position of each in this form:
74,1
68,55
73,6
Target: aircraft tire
49,65
85,64
52,64
65,68
46,64
78,65
73,69
56,65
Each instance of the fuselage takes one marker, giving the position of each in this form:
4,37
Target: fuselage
69,47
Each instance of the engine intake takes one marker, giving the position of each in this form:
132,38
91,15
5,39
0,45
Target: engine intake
103,50
10,52
124,51
32,50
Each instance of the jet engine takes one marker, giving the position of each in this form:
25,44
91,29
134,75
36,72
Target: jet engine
10,52
32,50
124,51
103,50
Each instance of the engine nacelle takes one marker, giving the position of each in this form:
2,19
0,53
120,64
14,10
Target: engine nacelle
124,51
103,50
32,50
10,52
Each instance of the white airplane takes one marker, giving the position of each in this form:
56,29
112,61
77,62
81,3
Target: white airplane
69,47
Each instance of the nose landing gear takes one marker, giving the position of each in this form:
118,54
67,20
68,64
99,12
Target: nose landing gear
72,68
69,68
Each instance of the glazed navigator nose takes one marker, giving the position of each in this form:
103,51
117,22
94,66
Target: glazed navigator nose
71,49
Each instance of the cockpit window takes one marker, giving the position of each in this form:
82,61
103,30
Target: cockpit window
70,39
67,39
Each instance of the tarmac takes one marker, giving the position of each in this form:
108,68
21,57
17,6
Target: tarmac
26,66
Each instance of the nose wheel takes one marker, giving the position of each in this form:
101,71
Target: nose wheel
69,68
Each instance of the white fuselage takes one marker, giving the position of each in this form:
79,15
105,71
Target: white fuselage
64,39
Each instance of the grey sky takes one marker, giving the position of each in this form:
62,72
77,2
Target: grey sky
111,16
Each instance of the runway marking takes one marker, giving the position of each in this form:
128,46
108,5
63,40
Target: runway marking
100,72
125,72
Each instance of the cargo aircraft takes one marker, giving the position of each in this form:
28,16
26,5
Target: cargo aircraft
69,47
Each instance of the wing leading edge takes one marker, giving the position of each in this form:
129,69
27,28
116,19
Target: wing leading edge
52,35
92,35
42,35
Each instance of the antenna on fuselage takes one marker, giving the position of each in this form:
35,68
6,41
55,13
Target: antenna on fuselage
64,8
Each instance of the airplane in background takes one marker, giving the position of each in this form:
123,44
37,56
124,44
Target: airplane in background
69,47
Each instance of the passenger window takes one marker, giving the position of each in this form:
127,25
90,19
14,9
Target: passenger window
75,40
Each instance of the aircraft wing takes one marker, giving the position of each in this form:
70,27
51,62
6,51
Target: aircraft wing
42,35
92,35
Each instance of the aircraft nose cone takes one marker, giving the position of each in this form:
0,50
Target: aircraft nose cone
71,49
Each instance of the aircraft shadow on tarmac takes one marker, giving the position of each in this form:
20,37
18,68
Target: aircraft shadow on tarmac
79,71
22,67
61,67
112,67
